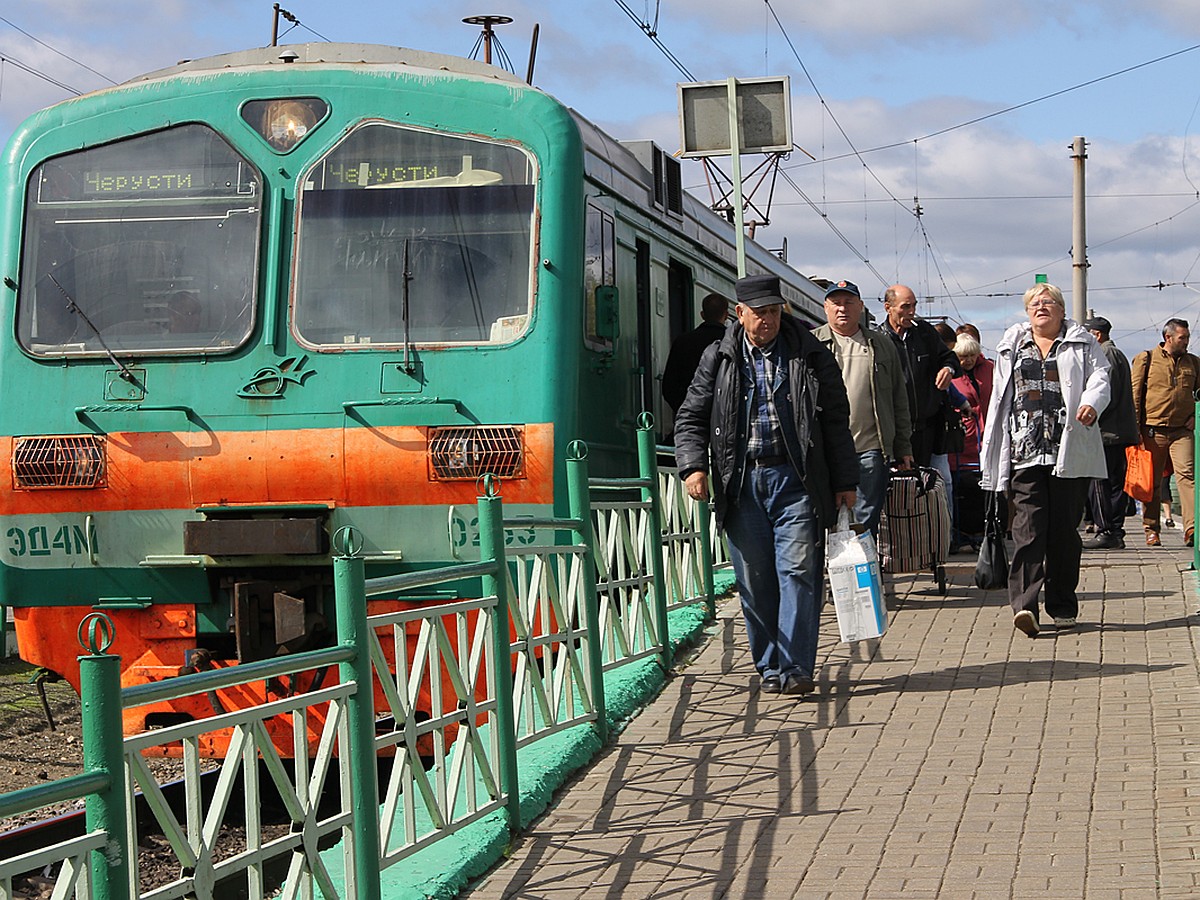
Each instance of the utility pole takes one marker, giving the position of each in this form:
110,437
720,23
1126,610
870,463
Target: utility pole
735,155
1079,263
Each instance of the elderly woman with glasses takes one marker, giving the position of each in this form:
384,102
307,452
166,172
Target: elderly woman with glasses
1042,444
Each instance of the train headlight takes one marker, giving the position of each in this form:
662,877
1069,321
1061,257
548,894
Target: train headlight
469,451
284,123
62,461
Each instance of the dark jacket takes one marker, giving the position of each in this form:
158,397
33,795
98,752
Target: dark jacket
924,354
684,358
712,424
1118,422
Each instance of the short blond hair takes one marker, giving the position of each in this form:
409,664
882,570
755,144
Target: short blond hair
1049,290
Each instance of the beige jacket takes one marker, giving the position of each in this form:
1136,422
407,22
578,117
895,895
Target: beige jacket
1163,389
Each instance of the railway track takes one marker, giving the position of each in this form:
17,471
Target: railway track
37,748
157,862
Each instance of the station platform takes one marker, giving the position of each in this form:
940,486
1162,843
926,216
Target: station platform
953,757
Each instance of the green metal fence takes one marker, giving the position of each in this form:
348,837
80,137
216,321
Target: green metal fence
498,672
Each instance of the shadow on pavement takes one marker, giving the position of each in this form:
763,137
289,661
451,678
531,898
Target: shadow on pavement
997,674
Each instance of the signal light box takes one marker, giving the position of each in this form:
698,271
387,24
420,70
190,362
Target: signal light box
764,116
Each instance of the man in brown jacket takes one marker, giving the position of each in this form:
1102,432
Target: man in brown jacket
1164,382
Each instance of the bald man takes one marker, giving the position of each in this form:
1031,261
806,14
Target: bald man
929,367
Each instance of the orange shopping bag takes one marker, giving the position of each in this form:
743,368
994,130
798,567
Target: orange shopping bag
1139,473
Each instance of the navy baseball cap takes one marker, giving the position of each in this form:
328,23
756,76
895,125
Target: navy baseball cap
848,287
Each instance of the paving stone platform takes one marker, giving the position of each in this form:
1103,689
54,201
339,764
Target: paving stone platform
953,757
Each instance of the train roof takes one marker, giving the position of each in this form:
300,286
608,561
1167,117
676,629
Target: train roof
335,54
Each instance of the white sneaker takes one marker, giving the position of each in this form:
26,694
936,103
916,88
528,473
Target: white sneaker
1026,622
1065,623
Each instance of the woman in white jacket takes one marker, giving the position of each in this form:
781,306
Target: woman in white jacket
1042,444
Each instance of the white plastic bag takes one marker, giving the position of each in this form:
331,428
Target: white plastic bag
853,566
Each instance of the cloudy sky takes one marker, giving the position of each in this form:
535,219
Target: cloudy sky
963,109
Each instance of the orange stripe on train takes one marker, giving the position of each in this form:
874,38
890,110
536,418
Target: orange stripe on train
352,467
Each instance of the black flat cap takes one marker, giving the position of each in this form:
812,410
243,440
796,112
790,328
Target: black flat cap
755,291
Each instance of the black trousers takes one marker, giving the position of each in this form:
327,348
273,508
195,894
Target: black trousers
1107,495
1045,530
923,440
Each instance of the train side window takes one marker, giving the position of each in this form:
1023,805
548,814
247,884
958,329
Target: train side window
143,246
600,269
411,236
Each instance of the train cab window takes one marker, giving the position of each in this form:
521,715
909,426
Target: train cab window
408,236
143,246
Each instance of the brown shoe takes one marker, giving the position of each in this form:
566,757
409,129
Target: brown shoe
1152,539
1187,538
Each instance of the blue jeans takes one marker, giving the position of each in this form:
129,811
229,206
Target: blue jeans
778,564
872,490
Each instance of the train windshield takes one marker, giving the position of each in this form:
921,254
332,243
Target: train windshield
409,236
143,246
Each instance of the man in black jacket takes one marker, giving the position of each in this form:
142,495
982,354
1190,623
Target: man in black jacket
929,366
690,346
767,411
1118,427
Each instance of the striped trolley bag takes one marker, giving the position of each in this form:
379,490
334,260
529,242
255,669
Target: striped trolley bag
914,533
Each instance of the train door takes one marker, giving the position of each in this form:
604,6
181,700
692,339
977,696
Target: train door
681,318
681,311
644,365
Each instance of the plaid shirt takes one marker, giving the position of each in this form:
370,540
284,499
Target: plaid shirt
763,371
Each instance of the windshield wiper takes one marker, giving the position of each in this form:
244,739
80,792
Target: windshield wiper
406,278
124,370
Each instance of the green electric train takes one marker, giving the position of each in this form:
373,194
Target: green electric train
256,297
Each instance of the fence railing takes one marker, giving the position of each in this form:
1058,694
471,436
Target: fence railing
555,613
455,690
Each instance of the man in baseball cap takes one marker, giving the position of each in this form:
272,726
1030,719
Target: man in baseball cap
879,418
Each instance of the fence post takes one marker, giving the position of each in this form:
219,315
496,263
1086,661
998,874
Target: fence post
491,549
580,507
704,510
648,472
350,600
104,751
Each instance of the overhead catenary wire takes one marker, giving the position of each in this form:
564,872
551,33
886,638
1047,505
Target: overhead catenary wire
314,32
36,73
832,227
1021,198
866,166
858,154
55,50
1008,109
824,105
651,31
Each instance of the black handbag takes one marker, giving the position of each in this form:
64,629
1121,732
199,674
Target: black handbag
991,571
956,433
